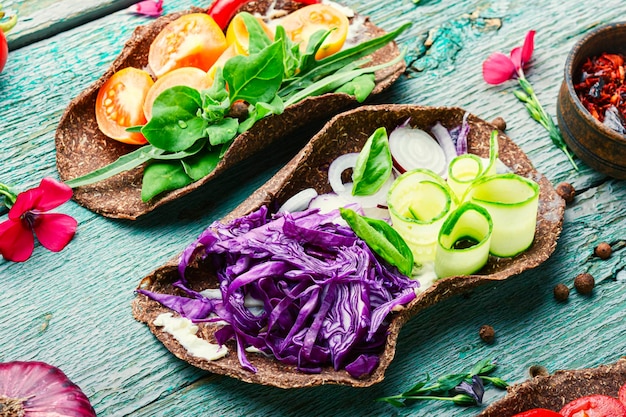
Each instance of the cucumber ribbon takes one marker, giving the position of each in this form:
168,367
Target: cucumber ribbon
457,223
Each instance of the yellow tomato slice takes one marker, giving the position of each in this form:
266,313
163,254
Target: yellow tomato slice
230,52
192,40
237,34
189,76
119,104
304,22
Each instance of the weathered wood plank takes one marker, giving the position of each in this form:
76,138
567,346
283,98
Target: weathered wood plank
44,18
72,309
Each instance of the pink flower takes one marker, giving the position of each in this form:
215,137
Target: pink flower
148,8
28,215
499,68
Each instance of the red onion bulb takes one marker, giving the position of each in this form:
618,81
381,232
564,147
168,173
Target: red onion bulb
36,389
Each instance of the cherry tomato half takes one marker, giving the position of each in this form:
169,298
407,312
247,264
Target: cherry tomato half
4,50
538,412
119,104
192,40
304,22
189,76
594,406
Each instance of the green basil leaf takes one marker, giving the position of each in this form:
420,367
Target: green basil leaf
192,150
255,78
382,239
374,164
202,164
223,131
162,176
360,87
175,124
307,60
258,39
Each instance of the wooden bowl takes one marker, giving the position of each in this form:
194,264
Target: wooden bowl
599,146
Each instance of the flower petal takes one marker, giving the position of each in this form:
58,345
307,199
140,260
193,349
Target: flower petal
55,193
24,202
16,241
147,8
528,48
49,194
55,230
498,68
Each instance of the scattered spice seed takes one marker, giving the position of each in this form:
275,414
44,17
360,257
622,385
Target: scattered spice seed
561,292
584,283
499,123
566,191
603,250
487,333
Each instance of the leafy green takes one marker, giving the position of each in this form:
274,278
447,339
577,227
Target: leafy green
163,176
373,165
383,239
190,130
175,124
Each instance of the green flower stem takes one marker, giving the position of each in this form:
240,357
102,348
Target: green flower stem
537,113
9,196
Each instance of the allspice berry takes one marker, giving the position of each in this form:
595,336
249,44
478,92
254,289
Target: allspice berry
487,333
584,283
499,123
566,191
561,292
603,250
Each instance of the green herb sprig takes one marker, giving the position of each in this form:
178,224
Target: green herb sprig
464,389
191,130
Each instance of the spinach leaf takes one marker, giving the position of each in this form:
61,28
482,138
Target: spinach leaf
257,38
360,87
381,238
373,165
261,110
162,176
201,164
255,78
223,131
291,53
175,124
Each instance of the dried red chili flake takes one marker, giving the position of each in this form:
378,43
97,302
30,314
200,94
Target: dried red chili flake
602,89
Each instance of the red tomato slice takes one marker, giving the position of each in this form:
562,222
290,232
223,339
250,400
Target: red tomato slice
189,76
594,406
538,412
622,394
4,50
119,104
192,40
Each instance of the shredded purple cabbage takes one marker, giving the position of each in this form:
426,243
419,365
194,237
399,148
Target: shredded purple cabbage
326,297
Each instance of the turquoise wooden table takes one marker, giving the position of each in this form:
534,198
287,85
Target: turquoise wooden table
72,309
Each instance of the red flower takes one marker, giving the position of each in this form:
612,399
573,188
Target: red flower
27,216
499,68
148,7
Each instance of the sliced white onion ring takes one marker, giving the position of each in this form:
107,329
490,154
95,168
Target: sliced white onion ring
413,148
337,167
299,201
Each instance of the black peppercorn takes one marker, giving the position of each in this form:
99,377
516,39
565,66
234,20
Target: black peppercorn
499,123
566,191
603,250
487,333
561,292
584,283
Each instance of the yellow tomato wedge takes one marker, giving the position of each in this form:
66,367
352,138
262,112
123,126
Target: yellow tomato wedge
230,52
189,76
192,40
237,34
304,22
119,104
